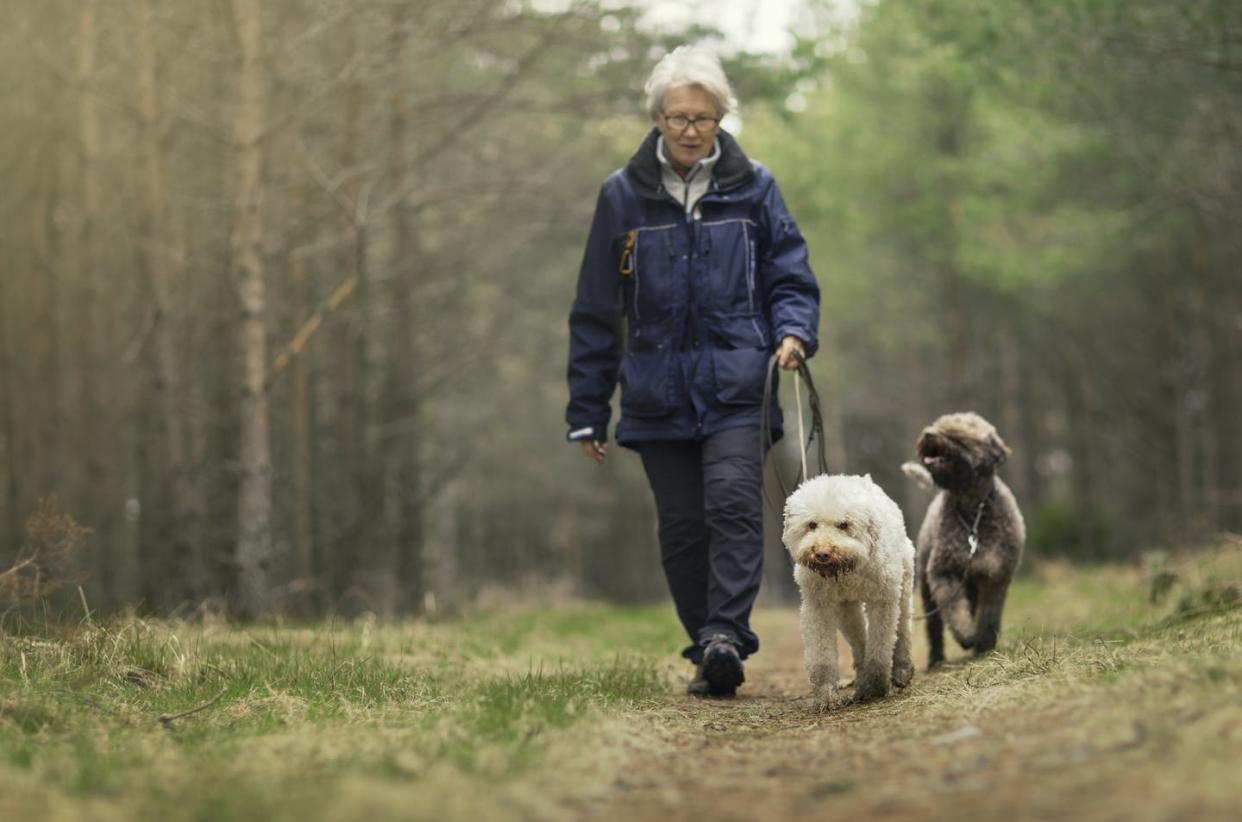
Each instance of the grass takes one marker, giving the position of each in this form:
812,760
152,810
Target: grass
539,712
1099,704
297,710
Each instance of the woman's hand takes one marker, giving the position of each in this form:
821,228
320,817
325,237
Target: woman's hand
785,355
595,450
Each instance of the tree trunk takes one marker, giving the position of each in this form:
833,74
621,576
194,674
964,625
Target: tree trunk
834,414
1182,410
177,554
403,503
8,436
1203,397
302,468
254,536
953,108
1084,444
1012,425
113,560
957,322
345,541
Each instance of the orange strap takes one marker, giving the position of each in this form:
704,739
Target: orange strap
627,255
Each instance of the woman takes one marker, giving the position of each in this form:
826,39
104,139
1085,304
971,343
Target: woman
692,244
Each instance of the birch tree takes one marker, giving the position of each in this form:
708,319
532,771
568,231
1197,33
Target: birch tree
254,506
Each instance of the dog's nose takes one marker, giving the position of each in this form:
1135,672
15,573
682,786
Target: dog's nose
822,556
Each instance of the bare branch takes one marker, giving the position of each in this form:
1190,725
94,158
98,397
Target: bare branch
308,329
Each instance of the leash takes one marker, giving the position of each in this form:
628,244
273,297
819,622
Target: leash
801,436
801,374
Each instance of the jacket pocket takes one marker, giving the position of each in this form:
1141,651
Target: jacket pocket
740,331
653,262
740,373
726,250
650,383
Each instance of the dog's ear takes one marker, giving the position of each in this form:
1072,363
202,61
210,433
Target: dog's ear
870,528
787,524
995,451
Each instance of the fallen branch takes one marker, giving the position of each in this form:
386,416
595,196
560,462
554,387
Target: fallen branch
167,719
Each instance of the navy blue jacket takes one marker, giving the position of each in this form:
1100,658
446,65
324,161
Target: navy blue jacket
703,303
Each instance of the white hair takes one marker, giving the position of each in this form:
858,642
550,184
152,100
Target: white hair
689,66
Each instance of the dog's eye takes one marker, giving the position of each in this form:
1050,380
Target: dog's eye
811,526
844,525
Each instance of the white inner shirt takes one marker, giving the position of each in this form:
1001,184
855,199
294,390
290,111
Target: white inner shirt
690,189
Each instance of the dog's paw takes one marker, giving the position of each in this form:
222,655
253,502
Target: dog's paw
871,688
902,674
985,643
822,699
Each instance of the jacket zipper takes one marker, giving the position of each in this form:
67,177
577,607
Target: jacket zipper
750,283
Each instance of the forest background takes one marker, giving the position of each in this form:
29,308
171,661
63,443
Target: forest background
284,283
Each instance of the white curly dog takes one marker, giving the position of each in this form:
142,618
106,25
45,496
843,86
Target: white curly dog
854,565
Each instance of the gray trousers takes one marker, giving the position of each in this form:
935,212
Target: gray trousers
709,498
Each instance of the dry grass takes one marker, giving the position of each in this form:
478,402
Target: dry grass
53,543
1100,703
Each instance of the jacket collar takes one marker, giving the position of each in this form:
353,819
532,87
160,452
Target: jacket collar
733,169
703,168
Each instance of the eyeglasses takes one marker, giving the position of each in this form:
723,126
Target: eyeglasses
703,125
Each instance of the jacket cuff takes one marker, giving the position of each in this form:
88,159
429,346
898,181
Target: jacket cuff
598,433
809,343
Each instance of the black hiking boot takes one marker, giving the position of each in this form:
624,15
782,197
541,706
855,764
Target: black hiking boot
722,666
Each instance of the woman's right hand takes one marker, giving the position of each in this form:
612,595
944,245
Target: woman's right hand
595,450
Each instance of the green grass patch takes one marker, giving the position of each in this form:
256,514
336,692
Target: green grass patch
466,717
262,721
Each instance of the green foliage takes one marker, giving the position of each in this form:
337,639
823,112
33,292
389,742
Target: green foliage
1021,209
1025,209
1059,530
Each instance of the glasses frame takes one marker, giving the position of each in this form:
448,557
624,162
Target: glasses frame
715,123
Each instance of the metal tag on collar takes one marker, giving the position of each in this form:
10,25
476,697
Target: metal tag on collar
974,543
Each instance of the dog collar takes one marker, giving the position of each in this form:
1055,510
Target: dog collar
972,531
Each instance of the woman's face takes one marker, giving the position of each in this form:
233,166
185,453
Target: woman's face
686,146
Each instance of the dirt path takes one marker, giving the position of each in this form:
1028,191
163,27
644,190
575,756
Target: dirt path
973,741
